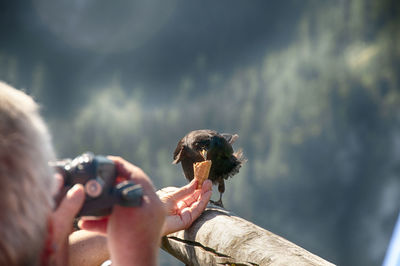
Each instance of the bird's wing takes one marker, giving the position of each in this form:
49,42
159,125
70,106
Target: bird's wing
230,138
178,152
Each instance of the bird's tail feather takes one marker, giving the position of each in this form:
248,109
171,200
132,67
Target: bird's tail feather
230,138
239,156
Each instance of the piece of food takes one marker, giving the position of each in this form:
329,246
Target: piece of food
201,171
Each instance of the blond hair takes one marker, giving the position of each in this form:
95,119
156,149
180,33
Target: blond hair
26,181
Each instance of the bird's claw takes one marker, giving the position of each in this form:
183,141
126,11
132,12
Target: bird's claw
218,203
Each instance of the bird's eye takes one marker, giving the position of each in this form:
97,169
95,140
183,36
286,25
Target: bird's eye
202,144
197,145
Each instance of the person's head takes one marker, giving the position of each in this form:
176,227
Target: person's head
26,181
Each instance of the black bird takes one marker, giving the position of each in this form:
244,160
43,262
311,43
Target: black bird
200,145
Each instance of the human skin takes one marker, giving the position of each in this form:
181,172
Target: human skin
123,235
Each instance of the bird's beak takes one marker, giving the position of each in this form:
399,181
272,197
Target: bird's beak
204,154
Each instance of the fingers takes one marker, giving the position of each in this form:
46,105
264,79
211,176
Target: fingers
198,207
189,199
193,212
188,209
127,170
120,165
63,217
195,208
98,225
187,214
184,191
207,186
190,190
70,205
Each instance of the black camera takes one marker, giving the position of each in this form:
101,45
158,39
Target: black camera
98,175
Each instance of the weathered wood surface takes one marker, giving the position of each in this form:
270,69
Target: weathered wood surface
219,237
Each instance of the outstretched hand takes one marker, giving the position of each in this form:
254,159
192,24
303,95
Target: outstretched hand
184,205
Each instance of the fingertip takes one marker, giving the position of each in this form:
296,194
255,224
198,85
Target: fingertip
80,224
70,204
83,224
206,196
207,185
76,188
97,225
191,186
115,158
76,193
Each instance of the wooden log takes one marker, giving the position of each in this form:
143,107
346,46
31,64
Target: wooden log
219,237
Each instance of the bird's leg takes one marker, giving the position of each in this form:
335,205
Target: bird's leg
221,189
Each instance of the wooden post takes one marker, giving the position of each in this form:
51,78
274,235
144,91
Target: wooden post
219,237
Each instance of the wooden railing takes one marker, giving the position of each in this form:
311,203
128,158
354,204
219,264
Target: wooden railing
219,237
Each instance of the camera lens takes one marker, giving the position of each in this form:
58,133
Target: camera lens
93,188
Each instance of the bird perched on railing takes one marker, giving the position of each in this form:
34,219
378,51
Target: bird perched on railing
200,145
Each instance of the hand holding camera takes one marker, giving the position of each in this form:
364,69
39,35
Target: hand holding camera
103,189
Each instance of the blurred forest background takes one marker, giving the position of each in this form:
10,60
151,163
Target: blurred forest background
312,88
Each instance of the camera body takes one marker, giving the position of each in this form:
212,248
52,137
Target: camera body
98,175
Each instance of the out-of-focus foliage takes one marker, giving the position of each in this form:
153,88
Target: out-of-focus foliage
317,113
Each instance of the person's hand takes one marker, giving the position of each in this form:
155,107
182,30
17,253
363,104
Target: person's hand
184,205
61,221
133,233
